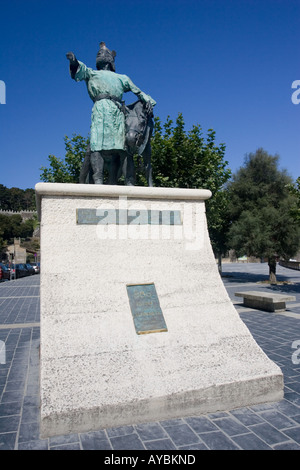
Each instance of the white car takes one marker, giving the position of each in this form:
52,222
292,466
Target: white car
36,267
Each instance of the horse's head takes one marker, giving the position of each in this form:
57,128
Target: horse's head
135,133
136,127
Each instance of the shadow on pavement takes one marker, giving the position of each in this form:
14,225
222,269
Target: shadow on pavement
243,277
287,283
286,288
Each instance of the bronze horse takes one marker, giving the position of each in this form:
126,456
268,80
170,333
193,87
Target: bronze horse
138,131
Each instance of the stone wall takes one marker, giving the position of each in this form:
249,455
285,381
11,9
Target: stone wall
24,214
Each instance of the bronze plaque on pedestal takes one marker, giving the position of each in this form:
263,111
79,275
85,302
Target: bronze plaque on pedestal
145,309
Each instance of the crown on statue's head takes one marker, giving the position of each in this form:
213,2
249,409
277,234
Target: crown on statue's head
105,57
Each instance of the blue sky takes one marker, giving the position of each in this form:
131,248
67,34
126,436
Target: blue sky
224,64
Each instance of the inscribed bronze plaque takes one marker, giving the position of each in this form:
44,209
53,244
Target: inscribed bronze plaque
127,217
145,309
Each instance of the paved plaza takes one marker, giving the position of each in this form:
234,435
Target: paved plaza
272,426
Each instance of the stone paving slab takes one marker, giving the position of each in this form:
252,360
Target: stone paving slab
272,426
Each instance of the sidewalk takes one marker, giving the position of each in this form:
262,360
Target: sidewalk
271,426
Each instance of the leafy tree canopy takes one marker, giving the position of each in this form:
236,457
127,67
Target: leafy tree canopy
16,199
12,226
67,170
188,159
261,222
294,189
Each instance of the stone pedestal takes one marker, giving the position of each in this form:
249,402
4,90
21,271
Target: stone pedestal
97,370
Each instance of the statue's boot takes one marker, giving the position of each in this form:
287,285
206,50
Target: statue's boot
129,171
97,163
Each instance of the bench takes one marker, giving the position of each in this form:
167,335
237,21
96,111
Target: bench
265,300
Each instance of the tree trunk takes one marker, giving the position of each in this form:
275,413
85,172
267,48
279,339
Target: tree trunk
272,270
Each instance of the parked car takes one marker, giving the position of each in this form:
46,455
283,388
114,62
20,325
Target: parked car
21,270
30,269
36,267
4,272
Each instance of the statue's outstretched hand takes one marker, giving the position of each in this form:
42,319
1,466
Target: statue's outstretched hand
74,64
71,56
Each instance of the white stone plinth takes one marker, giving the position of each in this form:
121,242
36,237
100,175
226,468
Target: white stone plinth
96,371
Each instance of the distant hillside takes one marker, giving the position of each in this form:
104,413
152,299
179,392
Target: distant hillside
16,199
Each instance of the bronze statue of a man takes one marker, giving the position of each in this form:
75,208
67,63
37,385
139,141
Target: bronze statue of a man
107,135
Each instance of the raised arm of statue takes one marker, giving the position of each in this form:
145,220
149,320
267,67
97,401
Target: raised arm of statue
74,64
78,70
130,86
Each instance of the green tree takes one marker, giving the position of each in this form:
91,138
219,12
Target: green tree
28,199
261,223
66,170
294,189
27,228
16,199
12,226
187,159
4,198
